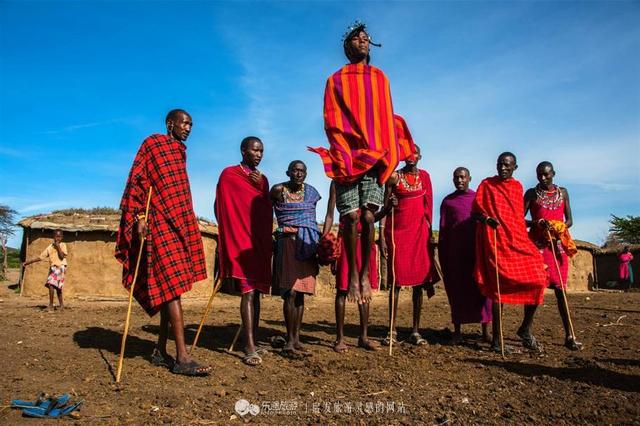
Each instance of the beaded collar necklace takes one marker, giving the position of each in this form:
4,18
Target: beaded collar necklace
293,197
550,199
405,179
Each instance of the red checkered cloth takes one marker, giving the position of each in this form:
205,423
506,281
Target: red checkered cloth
173,256
520,264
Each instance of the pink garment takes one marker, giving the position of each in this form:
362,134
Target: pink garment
538,236
625,266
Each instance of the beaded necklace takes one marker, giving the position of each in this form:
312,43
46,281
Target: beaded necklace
549,199
406,178
293,197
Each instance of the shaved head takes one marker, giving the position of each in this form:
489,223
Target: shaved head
295,163
544,165
508,154
247,141
174,114
462,169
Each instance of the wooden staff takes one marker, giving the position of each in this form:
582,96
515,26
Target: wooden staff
393,284
135,277
235,339
564,295
207,311
495,250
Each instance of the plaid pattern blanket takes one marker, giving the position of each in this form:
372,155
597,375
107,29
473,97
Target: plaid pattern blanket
173,258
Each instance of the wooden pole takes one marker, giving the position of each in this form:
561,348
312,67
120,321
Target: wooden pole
564,295
495,251
392,287
206,312
235,339
26,256
135,277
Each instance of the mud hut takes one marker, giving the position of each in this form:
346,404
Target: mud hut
607,264
91,238
582,268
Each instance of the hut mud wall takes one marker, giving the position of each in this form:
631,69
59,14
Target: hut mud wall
92,270
581,274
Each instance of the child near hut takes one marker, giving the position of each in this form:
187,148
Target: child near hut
56,252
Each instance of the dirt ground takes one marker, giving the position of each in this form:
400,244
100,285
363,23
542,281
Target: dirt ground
76,351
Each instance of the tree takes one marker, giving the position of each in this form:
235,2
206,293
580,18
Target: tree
624,230
7,219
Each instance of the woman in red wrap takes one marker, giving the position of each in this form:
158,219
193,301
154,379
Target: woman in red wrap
550,210
173,257
243,211
411,226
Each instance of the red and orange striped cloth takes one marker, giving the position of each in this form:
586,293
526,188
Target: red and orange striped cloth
362,129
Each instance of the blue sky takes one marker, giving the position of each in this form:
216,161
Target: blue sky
82,84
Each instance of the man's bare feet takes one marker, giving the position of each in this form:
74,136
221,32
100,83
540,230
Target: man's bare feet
340,346
366,288
353,294
367,344
301,348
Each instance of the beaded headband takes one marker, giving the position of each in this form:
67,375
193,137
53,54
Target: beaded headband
354,29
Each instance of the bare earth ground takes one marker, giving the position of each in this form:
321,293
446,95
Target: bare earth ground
76,351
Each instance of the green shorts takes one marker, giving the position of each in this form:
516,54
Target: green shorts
366,191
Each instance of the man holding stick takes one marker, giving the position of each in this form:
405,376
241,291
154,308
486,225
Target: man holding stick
509,268
173,254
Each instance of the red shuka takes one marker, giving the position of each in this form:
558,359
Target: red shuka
245,222
412,232
520,264
362,129
173,256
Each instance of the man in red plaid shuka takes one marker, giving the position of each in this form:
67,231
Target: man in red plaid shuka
173,255
499,205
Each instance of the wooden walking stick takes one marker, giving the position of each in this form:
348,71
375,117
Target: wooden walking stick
206,312
495,250
235,339
392,288
133,283
564,295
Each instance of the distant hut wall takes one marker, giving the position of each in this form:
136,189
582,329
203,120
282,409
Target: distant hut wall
581,273
93,270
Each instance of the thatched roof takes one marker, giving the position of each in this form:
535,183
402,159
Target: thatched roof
79,222
618,249
585,245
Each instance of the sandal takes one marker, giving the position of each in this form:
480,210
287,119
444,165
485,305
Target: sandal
387,340
530,342
191,368
291,354
278,341
252,359
572,344
417,340
53,413
42,403
508,350
340,347
160,360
